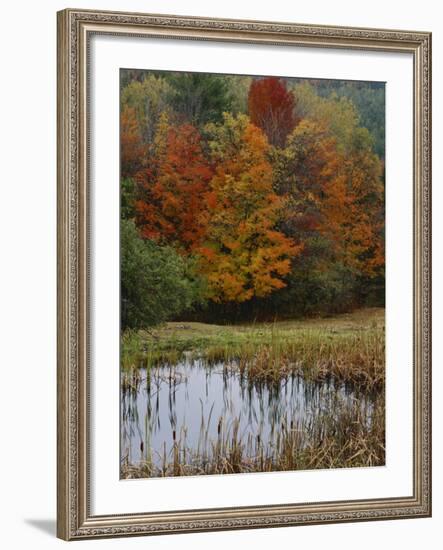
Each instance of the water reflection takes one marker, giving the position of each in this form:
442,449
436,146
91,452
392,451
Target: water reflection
193,407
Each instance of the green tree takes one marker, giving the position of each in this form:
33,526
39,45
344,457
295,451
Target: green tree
149,99
156,282
369,100
127,198
199,98
238,93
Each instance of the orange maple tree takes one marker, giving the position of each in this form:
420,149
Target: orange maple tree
244,255
353,210
170,206
334,193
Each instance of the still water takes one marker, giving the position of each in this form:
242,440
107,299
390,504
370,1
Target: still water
194,405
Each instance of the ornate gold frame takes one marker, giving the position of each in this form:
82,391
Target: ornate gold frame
74,520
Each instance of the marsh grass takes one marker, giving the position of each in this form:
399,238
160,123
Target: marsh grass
350,348
345,350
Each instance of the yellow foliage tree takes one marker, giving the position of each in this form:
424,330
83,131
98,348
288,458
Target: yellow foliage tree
244,255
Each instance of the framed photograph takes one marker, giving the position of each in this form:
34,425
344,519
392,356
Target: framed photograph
243,274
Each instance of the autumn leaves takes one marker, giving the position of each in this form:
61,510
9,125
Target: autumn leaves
254,199
244,255
221,208
273,109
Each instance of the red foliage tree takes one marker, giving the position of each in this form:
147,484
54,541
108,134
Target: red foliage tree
171,191
272,108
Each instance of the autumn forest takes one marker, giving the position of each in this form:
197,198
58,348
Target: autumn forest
252,264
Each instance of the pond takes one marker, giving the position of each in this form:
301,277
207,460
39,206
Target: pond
193,413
